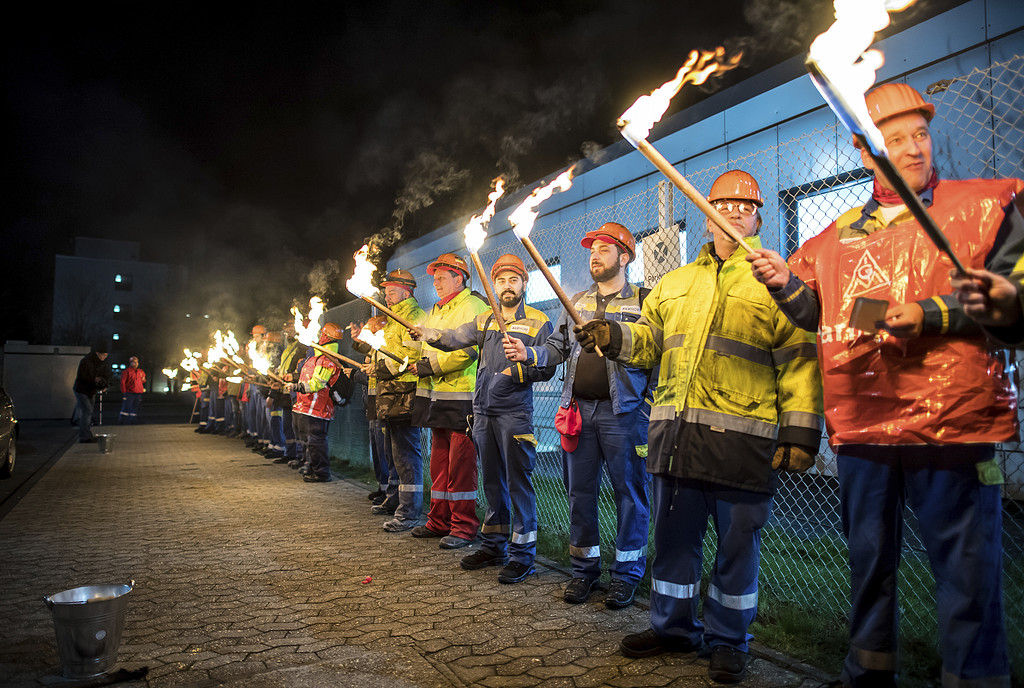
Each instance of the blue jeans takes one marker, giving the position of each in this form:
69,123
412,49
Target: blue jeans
83,405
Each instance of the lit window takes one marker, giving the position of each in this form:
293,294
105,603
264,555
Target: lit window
207,317
188,315
809,208
117,278
117,309
538,289
116,336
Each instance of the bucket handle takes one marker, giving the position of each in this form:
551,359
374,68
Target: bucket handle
48,601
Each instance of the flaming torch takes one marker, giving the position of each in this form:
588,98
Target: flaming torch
523,219
261,363
636,122
376,341
475,235
843,69
361,284
309,335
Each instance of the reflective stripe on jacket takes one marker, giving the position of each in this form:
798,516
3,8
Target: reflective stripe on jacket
318,374
501,385
730,361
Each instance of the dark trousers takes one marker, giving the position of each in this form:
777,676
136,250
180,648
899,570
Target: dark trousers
84,409
316,446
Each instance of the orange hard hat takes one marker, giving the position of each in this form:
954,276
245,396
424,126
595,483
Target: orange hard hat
890,100
399,278
274,337
511,262
736,185
612,233
449,261
259,329
331,333
377,323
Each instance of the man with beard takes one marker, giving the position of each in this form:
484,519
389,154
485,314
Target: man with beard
444,401
605,401
503,421
916,398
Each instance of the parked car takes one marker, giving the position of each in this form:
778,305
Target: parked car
8,435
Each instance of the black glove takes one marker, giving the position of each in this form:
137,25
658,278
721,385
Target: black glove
600,334
423,368
381,371
793,458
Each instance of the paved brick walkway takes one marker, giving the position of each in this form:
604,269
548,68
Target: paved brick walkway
246,576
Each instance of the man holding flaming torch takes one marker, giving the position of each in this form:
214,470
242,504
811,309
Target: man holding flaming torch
256,398
444,402
738,397
916,397
396,392
380,451
608,399
503,421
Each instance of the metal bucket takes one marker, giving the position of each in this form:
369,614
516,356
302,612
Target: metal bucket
106,443
88,623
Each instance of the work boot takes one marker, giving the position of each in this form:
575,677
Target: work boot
455,542
728,665
281,459
377,501
648,644
373,495
294,464
515,572
482,558
424,532
578,590
620,594
382,510
399,525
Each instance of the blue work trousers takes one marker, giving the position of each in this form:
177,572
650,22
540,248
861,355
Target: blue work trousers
130,405
610,440
383,464
508,454
955,494
275,421
289,432
216,420
408,456
681,511
204,408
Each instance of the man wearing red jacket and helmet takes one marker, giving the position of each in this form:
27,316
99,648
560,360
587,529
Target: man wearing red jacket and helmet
133,381
913,408
314,405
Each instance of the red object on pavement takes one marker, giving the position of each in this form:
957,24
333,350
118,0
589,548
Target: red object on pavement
368,579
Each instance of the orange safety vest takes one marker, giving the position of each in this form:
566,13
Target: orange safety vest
879,389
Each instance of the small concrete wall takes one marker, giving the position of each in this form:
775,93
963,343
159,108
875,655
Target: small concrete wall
39,378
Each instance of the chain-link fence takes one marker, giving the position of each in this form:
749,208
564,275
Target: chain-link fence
978,132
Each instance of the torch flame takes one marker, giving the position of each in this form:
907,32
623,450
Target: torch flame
474,231
171,374
375,339
230,344
260,362
191,360
361,282
842,55
309,335
523,217
636,122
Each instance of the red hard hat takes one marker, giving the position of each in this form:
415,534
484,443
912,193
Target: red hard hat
399,278
274,337
331,333
890,100
449,261
612,233
736,185
511,262
259,329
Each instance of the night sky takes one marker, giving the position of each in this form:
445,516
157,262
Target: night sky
253,142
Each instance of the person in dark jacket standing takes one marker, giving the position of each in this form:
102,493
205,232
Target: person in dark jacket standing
93,376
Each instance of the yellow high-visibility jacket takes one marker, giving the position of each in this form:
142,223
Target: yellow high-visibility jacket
444,395
396,389
736,376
